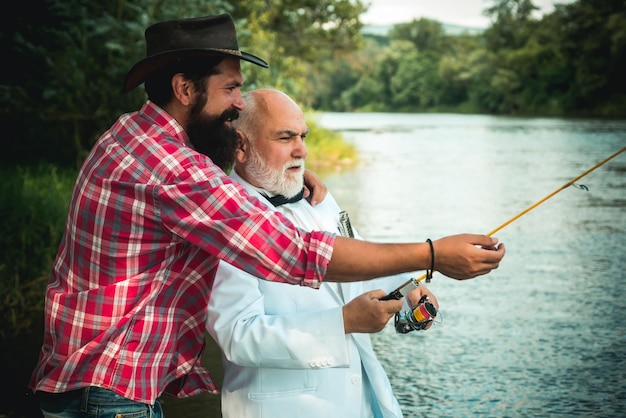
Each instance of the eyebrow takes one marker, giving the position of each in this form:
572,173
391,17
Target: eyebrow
292,132
234,83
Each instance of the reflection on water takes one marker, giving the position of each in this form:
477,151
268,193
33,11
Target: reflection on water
542,335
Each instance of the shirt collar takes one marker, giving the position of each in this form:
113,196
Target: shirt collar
159,117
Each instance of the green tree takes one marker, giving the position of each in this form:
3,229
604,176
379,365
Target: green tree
415,84
592,35
297,35
510,28
455,70
70,58
542,74
426,35
347,81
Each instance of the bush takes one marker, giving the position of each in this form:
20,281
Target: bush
33,209
327,150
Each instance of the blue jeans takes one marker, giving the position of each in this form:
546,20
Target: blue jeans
94,402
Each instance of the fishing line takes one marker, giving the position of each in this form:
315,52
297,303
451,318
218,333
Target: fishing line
408,285
565,186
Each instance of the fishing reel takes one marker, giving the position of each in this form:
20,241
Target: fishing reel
417,318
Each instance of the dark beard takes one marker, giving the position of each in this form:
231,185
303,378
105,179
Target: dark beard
210,136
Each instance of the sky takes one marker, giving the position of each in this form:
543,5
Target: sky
457,12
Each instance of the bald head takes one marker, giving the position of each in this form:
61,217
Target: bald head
272,150
262,104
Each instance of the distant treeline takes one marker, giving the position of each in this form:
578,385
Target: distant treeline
65,61
571,62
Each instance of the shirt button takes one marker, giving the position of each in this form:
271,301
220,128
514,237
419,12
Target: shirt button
355,380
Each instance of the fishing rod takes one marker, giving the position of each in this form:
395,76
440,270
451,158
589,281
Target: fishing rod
424,312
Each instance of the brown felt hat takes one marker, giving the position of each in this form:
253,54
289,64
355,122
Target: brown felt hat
174,40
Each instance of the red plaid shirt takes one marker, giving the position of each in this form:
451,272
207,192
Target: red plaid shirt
148,221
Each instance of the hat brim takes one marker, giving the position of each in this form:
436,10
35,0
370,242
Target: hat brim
140,71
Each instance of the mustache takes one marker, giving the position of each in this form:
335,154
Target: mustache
213,137
295,163
229,115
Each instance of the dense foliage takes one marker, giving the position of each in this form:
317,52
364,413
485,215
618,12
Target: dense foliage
570,62
33,208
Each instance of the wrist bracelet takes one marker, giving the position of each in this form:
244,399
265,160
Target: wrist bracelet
429,273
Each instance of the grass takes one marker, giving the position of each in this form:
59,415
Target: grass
33,207
327,149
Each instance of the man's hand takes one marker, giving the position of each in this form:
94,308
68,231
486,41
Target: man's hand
314,189
415,295
367,313
466,256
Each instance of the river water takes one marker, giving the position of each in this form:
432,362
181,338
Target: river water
543,335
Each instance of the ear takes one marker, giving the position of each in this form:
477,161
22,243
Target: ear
241,154
183,89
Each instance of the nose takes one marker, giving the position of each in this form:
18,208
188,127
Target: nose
238,101
300,150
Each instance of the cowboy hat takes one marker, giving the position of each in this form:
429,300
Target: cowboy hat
171,41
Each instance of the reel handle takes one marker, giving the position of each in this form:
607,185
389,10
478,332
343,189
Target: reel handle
402,291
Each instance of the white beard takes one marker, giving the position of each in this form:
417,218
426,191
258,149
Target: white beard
275,181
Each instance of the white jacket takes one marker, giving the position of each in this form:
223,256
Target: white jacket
285,353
